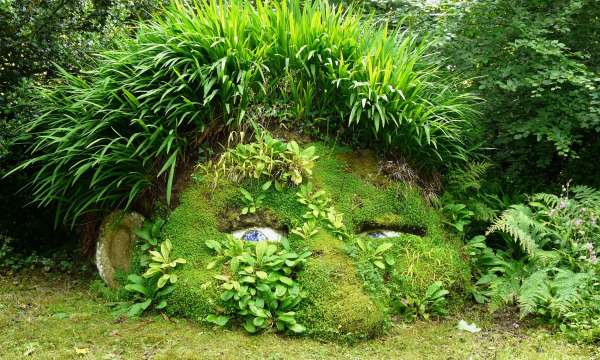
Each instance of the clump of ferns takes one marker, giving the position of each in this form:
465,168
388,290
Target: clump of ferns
548,262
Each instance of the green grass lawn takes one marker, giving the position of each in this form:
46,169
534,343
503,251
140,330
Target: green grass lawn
48,317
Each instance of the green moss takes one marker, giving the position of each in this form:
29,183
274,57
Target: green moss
337,306
195,295
347,299
420,261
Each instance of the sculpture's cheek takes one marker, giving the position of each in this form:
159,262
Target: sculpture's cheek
114,250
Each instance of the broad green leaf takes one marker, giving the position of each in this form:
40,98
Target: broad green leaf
220,320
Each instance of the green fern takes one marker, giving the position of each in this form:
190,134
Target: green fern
567,288
503,290
555,277
470,177
534,291
549,200
520,223
586,196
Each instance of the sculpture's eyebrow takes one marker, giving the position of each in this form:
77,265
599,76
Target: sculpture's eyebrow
230,220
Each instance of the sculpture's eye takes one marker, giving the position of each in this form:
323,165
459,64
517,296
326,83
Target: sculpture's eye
258,234
380,234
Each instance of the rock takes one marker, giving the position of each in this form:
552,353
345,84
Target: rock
114,248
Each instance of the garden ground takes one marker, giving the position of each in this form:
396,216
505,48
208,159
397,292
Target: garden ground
48,316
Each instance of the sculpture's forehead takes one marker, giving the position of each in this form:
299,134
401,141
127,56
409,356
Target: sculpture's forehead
351,178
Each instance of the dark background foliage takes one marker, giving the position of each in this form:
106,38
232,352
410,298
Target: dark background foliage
534,63
34,37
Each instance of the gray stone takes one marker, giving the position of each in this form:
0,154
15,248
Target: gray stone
116,241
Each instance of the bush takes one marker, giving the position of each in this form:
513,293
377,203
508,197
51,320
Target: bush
106,136
535,64
34,36
548,262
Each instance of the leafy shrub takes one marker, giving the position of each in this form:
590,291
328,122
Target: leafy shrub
34,36
106,136
280,162
535,64
548,265
259,284
432,303
156,283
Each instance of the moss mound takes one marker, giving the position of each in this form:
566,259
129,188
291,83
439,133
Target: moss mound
347,299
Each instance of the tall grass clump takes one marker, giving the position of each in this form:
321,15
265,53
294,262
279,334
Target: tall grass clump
105,136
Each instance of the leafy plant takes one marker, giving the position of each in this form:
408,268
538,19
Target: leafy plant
548,267
279,162
154,286
375,255
320,209
307,230
259,286
150,233
251,203
458,216
432,303
162,264
317,202
299,162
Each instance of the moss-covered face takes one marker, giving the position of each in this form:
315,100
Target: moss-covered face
348,296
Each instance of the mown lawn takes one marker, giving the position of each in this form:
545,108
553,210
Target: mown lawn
48,316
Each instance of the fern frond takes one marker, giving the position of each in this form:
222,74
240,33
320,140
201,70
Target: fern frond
586,196
550,200
482,211
567,288
534,292
503,291
460,180
518,221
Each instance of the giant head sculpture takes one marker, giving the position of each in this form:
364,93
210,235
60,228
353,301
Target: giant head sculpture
321,236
